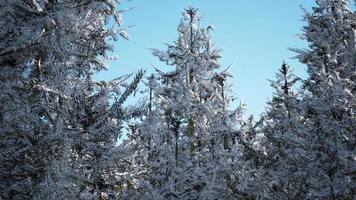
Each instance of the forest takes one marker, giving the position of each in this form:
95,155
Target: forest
59,126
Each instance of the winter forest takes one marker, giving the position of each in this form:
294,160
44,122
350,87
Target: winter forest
60,126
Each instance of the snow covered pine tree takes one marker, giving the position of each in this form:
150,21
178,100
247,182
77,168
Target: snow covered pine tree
56,122
185,147
330,100
282,174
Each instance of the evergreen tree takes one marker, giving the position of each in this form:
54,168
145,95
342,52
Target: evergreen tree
330,100
57,125
282,173
186,148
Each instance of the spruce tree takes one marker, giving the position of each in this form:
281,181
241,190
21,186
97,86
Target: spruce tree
57,124
330,100
186,146
282,172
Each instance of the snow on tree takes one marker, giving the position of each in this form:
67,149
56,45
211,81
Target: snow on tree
57,123
186,147
58,126
330,100
282,174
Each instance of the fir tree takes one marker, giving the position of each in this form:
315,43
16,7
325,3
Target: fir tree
330,100
57,123
283,175
186,146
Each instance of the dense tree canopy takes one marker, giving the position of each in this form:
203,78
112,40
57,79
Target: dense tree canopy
57,123
59,126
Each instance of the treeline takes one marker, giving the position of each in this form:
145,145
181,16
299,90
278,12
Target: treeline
59,126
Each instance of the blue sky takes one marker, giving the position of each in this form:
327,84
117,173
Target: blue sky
253,34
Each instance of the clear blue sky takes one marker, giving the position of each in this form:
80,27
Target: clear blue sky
253,34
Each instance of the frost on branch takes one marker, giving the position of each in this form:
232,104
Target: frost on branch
49,51
186,145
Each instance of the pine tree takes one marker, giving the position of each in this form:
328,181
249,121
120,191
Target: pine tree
57,123
186,146
330,99
282,172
